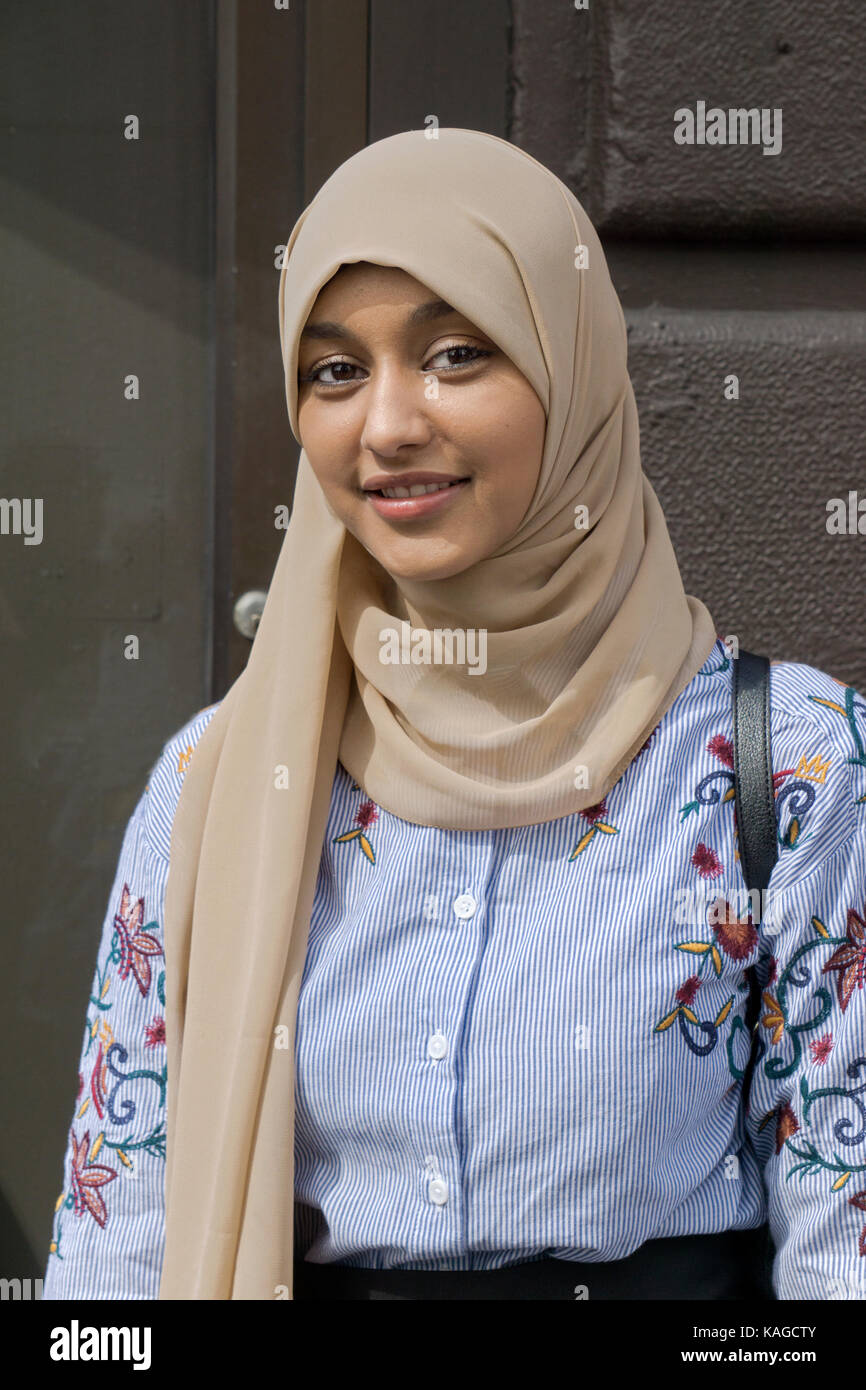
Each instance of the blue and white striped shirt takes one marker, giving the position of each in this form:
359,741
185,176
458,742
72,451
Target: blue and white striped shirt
531,1041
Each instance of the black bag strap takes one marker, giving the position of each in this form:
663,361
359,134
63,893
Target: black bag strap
755,804
753,771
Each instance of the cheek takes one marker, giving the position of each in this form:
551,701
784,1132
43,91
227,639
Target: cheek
514,445
325,442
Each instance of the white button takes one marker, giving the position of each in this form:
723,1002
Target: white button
438,1045
464,905
438,1190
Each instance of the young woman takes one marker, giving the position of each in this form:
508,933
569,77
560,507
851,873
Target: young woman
424,955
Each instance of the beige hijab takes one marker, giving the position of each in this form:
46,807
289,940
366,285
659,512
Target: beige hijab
590,639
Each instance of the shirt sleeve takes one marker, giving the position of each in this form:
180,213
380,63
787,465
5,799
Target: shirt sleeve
108,1225
806,1114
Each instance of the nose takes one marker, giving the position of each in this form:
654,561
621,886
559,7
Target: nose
396,411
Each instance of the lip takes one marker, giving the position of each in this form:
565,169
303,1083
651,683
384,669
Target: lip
407,508
407,479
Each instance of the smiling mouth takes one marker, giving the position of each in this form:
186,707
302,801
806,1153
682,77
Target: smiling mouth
412,501
416,490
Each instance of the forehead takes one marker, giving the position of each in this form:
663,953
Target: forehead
363,284
370,299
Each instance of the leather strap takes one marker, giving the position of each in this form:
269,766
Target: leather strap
755,806
753,771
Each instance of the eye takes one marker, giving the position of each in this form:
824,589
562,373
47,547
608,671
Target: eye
477,354
334,363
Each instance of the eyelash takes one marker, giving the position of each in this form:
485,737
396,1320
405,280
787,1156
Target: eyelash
313,376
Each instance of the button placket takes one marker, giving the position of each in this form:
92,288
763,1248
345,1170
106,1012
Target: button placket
465,906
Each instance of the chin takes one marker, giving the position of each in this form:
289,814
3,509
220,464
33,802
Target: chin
428,573
421,563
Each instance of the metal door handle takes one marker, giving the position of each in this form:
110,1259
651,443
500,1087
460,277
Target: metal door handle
248,611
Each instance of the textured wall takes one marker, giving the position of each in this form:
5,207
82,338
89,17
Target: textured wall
729,261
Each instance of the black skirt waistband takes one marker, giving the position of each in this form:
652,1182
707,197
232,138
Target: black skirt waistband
720,1265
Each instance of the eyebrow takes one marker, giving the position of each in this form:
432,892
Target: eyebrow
423,313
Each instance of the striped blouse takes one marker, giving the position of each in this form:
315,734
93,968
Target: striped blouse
531,1042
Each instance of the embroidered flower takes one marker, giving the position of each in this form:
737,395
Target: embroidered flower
849,960
365,816
786,1125
736,936
97,1082
136,946
859,1201
723,749
707,790
154,1033
596,826
821,1048
686,993
706,861
87,1178
684,996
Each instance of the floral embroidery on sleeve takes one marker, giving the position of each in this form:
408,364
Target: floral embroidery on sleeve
87,1177
853,704
845,967
133,949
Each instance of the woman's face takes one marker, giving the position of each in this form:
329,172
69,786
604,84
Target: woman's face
398,390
